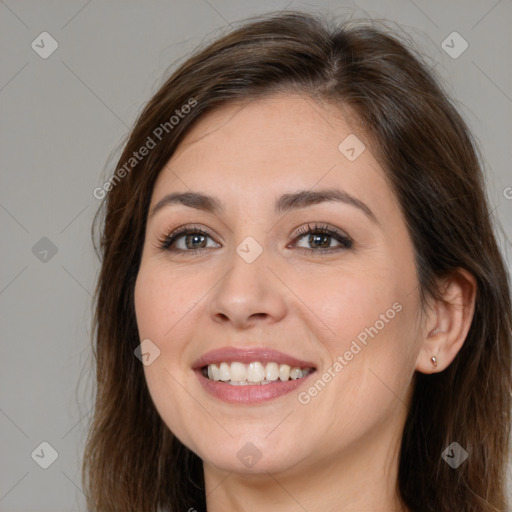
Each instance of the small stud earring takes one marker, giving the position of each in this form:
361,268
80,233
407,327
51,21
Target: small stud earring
434,361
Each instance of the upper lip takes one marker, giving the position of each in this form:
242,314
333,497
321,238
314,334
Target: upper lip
249,355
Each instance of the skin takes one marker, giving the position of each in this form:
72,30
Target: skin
338,452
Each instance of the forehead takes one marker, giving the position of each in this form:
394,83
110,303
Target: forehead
257,151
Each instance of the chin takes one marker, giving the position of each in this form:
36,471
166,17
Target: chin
251,462
254,453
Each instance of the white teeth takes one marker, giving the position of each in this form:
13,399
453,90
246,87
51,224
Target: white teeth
284,372
255,372
224,372
213,372
271,371
239,374
295,373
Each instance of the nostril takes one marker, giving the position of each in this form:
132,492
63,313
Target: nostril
259,315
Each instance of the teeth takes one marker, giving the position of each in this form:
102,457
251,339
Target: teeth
224,372
284,372
213,372
295,373
239,374
255,372
272,371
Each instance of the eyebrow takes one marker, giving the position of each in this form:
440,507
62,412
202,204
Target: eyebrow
286,203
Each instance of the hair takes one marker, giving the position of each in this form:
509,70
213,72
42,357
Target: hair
132,461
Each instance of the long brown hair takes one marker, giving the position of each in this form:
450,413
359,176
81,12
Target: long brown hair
132,462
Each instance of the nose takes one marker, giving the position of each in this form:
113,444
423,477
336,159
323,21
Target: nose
249,293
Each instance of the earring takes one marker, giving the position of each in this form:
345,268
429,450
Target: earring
434,361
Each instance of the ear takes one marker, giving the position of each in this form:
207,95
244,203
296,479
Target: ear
448,322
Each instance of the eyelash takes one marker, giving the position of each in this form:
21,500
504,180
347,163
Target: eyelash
346,242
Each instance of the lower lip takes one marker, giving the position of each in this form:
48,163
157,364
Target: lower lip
249,394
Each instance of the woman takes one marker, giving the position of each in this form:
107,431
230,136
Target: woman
297,247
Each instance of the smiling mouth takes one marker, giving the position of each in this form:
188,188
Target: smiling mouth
254,373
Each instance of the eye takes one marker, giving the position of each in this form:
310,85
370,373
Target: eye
195,239
186,239
320,237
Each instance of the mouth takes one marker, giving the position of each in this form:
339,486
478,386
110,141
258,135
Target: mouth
250,375
254,373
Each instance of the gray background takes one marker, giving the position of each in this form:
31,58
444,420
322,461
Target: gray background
61,117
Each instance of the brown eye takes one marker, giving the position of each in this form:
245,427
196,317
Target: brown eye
187,240
320,239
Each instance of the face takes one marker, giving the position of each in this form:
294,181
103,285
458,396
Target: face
287,318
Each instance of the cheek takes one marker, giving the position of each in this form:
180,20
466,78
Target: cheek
162,300
367,322
161,307
347,301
